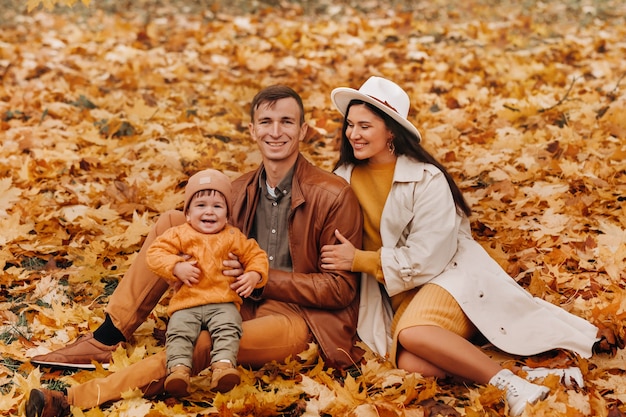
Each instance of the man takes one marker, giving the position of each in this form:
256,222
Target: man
292,209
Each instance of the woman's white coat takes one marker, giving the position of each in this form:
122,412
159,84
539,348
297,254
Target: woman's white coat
426,240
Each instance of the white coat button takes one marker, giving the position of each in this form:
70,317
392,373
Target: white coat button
502,330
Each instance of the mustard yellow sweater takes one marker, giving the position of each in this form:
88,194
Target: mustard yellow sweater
371,184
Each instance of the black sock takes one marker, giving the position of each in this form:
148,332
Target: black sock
107,333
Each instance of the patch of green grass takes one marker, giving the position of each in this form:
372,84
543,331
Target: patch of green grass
57,384
13,366
15,330
7,337
110,284
33,263
10,363
42,303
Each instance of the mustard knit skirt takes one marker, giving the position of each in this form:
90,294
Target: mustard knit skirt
429,305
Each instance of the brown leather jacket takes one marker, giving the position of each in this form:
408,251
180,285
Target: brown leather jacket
320,203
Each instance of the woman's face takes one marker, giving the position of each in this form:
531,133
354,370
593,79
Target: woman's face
368,135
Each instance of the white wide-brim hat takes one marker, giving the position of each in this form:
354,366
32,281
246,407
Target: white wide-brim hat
382,93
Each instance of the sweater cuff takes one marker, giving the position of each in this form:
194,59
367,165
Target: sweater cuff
368,262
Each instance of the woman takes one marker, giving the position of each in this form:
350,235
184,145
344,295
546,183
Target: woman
443,287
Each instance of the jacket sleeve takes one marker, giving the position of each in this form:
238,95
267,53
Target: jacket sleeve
163,254
313,286
420,233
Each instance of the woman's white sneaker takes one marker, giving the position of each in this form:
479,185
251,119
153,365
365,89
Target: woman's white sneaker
519,392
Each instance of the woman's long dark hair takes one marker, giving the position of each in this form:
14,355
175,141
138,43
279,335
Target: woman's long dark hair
405,143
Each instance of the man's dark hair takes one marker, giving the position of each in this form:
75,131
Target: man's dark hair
271,95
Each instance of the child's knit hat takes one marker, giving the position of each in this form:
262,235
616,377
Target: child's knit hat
209,179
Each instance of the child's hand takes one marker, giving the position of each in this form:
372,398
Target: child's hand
244,284
187,272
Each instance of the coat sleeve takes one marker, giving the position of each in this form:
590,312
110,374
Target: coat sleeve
164,253
419,227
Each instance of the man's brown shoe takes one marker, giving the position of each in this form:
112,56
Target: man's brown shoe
224,377
79,354
177,382
46,403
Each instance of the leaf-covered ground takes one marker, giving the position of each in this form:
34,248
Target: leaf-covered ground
104,113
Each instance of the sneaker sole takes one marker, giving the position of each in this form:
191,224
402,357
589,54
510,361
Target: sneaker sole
540,394
88,366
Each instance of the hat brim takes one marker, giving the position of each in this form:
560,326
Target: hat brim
342,97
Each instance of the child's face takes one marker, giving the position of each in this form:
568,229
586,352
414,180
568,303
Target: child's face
207,212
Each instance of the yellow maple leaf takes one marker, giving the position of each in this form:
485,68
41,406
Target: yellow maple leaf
32,381
14,228
8,195
612,249
9,401
140,110
5,256
322,396
579,400
122,358
133,234
132,404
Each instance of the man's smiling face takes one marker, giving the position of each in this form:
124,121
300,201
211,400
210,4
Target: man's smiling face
277,129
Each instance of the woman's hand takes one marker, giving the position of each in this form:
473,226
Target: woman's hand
338,257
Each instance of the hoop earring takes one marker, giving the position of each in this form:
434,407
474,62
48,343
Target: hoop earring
391,146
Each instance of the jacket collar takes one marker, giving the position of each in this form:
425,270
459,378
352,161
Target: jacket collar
299,174
407,170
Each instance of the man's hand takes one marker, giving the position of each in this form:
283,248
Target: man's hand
187,272
232,266
244,284
338,257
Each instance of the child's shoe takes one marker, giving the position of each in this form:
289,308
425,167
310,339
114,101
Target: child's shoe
177,381
224,377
